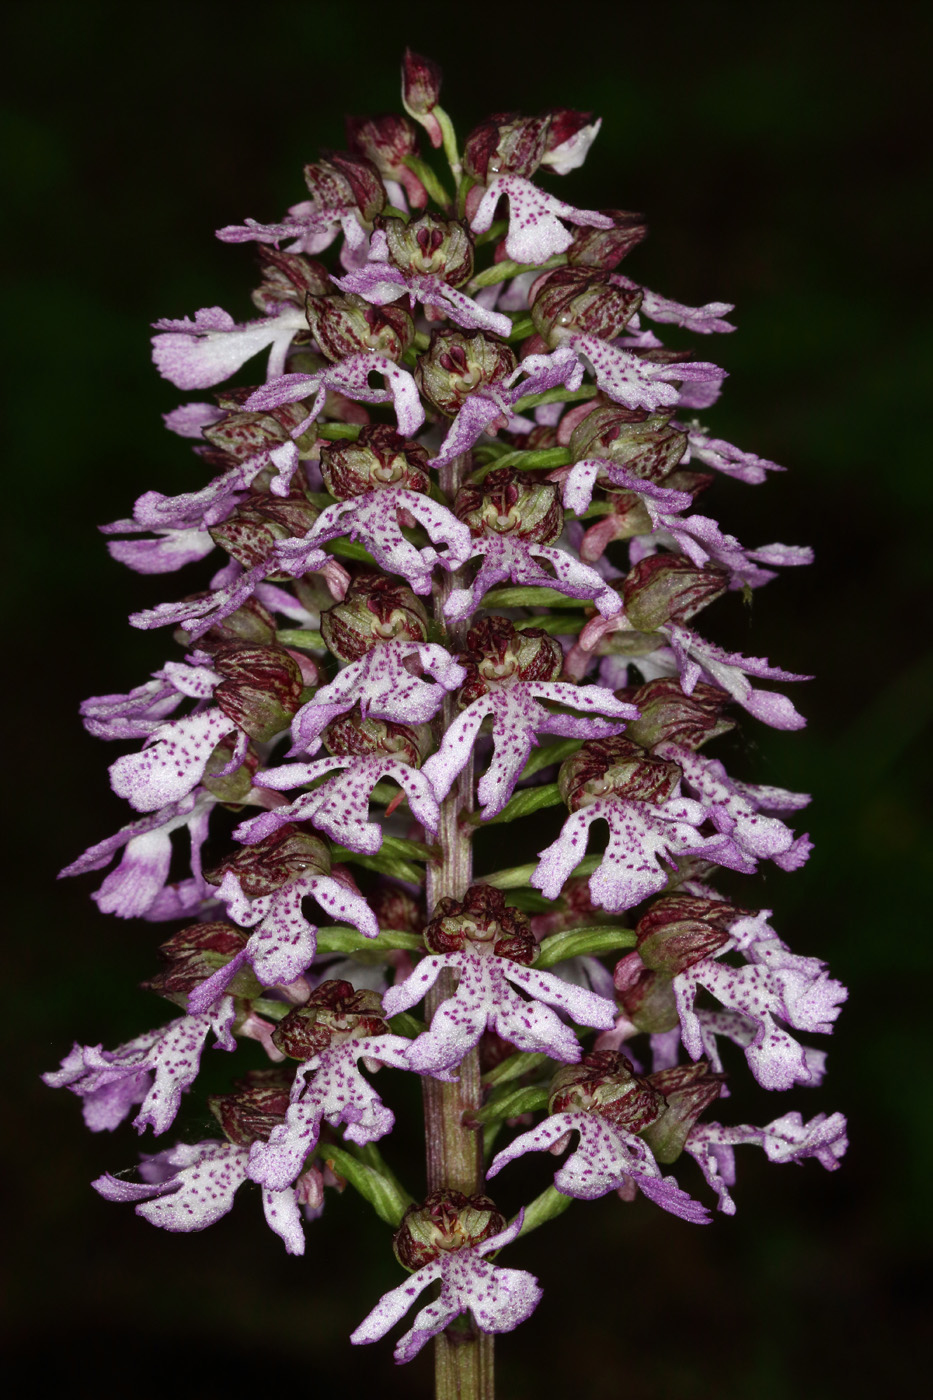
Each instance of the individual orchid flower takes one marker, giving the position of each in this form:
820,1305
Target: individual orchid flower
735,809
200,353
132,887
490,946
701,539
774,986
264,887
697,658
786,1139
723,457
536,219
349,377
155,1069
191,1186
510,674
142,710
386,684
632,381
173,761
579,481
453,1233
703,320
492,405
509,557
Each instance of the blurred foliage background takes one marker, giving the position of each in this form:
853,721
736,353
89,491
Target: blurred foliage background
778,151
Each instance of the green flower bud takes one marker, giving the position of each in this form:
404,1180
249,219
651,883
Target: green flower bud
512,503
287,278
258,523
681,929
282,856
506,145
376,609
669,588
378,458
580,299
193,954
446,1220
351,734
482,922
334,1012
430,244
348,325
259,1105
604,248
632,438
615,767
669,716
261,690
604,1082
688,1090
456,364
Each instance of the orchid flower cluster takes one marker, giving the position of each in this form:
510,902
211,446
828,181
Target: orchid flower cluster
462,563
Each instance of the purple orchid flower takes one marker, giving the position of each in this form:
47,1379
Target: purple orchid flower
703,320
506,557
786,1139
484,999
351,378
635,382
605,1159
154,1069
723,457
200,353
340,808
536,232
701,539
498,1298
517,719
329,1087
189,1187
385,685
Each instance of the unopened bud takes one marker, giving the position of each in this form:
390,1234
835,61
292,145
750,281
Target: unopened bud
259,1105
386,141
615,767
605,1082
286,854
348,325
505,145
482,923
242,435
681,929
333,1013
581,299
456,364
445,1221
421,89
604,248
341,181
498,655
430,244
570,135
261,690
378,458
667,715
376,609
396,907
512,503
669,588
688,1090
287,278
355,736
641,442
259,523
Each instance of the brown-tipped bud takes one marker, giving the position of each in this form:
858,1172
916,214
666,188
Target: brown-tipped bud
506,144
688,1090
282,856
646,997
669,588
615,767
193,954
579,299
334,1012
481,922
256,526
421,84
342,180
605,1082
353,735
253,622
681,929
498,654
512,503
379,457
242,435
445,1221
456,364
669,716
604,248
387,141
430,244
640,442
350,326
396,907
259,1105
287,278
375,610
261,689
233,789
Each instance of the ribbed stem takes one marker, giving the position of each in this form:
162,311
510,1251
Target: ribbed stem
463,1356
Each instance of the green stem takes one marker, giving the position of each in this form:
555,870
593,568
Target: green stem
463,1356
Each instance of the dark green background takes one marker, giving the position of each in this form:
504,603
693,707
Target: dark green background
778,153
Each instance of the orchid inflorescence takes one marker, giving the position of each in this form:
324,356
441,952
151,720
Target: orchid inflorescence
422,507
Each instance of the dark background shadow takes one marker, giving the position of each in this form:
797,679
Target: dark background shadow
778,154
